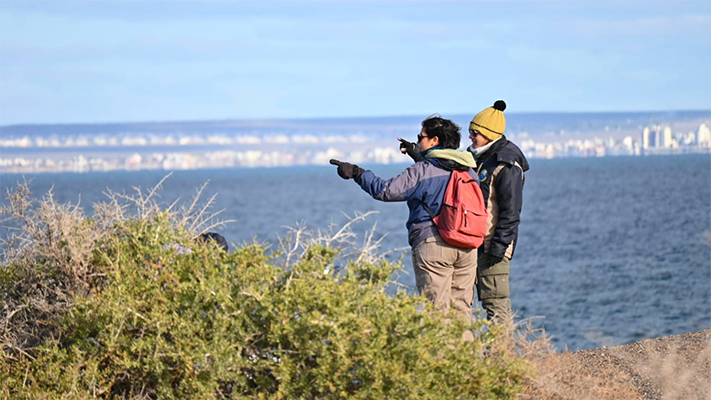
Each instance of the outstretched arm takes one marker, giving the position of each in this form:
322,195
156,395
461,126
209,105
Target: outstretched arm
397,188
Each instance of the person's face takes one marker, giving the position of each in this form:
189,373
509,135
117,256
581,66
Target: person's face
426,142
478,140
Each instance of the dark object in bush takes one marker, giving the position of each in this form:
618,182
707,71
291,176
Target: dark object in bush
216,238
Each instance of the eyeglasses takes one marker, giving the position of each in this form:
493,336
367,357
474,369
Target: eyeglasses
474,132
420,137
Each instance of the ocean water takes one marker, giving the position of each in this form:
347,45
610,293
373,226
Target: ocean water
611,250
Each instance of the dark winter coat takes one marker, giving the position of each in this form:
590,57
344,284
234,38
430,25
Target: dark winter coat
501,171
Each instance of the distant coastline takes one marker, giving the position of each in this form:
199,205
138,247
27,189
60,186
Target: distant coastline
29,148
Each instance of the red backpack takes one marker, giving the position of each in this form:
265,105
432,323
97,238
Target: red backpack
462,218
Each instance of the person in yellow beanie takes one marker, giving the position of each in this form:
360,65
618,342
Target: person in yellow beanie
501,166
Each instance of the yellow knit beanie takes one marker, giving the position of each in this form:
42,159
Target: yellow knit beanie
491,122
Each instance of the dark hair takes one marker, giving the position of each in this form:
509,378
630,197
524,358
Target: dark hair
446,130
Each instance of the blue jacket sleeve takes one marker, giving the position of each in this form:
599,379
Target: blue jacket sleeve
398,188
509,192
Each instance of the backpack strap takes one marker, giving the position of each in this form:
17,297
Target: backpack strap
422,200
427,208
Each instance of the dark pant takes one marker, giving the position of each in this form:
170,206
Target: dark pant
493,288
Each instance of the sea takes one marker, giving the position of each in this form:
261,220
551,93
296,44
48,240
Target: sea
611,250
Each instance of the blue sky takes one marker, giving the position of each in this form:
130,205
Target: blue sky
120,61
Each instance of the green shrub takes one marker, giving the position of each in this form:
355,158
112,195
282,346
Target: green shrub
172,319
48,251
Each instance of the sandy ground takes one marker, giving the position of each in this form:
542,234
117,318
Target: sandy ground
672,367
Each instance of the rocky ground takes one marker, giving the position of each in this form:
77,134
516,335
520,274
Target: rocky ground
672,367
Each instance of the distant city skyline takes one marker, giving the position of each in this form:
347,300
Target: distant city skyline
140,61
228,144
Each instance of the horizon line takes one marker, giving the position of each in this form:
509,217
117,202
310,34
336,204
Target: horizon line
344,117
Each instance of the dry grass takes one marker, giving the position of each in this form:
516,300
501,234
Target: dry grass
299,240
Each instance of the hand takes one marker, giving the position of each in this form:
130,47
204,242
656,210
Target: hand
346,170
494,259
411,149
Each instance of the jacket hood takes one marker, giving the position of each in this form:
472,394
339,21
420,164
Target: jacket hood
463,158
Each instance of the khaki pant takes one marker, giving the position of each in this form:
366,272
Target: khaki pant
445,274
493,288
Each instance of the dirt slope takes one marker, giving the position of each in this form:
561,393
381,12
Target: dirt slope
667,368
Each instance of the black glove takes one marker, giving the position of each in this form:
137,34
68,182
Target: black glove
494,259
346,170
411,149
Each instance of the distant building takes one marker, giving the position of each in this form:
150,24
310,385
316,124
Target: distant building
658,137
703,136
649,138
628,142
667,141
